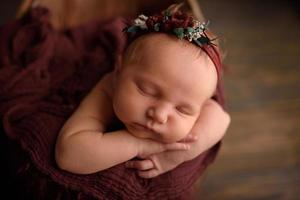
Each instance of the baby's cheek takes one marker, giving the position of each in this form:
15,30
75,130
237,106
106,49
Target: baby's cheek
120,108
124,109
183,128
128,108
174,134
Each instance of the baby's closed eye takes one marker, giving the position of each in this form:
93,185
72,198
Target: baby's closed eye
147,90
185,110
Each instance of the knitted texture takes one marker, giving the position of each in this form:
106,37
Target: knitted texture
44,74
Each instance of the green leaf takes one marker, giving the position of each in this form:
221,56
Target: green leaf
198,43
179,32
204,40
156,26
167,13
190,29
132,29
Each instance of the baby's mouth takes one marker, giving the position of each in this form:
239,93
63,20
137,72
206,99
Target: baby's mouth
154,134
142,127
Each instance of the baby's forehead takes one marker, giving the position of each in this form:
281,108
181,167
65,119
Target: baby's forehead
156,43
169,58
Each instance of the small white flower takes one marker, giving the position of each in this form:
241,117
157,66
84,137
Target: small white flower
143,17
141,22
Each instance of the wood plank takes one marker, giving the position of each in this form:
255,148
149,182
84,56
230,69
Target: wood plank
260,156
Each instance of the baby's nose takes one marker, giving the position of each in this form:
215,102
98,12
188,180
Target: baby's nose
159,114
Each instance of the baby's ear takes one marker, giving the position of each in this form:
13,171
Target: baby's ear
118,63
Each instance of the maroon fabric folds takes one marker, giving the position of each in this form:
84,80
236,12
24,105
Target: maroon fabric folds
44,74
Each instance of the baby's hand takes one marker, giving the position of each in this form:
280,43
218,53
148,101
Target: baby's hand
147,147
209,129
160,163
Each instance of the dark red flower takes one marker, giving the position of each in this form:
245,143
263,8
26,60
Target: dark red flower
181,20
152,20
168,23
167,26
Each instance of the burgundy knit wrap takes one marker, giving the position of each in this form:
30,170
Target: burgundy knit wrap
44,74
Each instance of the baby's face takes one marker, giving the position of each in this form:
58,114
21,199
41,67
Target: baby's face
161,87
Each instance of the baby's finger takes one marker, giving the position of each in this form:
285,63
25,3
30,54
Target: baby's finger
189,138
140,164
177,146
149,173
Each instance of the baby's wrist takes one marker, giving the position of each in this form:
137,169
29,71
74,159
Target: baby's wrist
136,143
139,147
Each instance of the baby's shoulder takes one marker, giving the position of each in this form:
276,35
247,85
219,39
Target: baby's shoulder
106,84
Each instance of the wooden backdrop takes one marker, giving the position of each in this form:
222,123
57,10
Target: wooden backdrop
260,157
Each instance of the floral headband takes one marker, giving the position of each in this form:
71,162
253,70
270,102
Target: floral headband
177,23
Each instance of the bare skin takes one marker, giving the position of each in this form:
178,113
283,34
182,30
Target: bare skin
163,113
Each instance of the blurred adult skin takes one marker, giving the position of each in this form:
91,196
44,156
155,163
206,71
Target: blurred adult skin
67,13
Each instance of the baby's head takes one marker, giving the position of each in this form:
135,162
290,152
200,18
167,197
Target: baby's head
161,85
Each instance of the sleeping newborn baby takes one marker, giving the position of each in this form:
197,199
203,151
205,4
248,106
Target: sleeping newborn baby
161,90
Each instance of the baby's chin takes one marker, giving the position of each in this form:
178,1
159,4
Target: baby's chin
138,134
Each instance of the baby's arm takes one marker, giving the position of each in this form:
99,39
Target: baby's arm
82,147
209,129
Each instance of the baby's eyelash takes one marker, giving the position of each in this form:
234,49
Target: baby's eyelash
144,91
183,111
